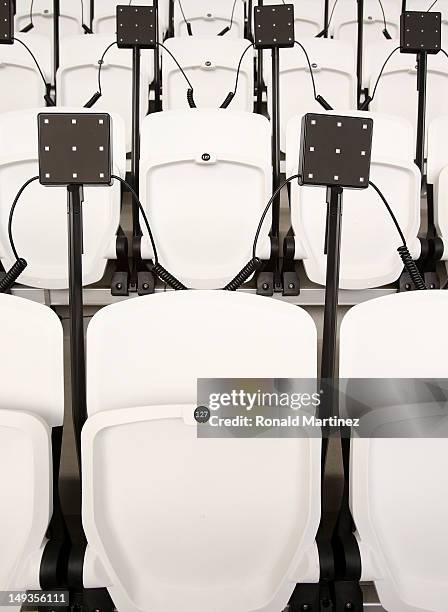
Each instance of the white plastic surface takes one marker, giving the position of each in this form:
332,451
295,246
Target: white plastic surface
204,214
70,20
31,350
209,17
398,486
334,68
396,93
20,82
370,240
211,65
437,172
77,78
192,533
40,219
344,24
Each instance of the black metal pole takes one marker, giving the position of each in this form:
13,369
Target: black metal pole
422,64
92,13
56,14
260,81
157,83
333,243
171,19
359,48
135,151
326,19
275,125
77,354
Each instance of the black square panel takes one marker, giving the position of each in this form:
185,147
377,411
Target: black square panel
274,26
420,31
335,150
136,27
6,22
74,148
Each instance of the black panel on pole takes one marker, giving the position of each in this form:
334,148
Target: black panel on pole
420,31
335,151
75,148
274,26
136,27
6,22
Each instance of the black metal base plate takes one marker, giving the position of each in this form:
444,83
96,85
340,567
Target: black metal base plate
74,148
274,26
420,31
6,22
136,27
335,151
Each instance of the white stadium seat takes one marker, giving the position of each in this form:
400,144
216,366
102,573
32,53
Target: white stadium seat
70,19
31,346
205,179
370,240
333,64
344,24
397,89
21,84
77,77
191,533
437,174
209,17
211,66
399,496
40,220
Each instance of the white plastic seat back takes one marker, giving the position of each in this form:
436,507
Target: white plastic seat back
308,17
21,84
344,24
396,93
333,63
105,15
205,179
171,538
437,172
77,78
70,19
209,17
398,486
40,218
370,240
211,66
31,402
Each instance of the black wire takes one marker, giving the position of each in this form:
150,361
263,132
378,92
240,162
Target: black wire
11,214
34,58
181,10
384,14
31,12
176,62
239,67
309,66
432,6
265,212
390,211
142,211
100,64
331,15
233,13
381,71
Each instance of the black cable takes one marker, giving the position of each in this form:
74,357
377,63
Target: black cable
431,6
97,95
176,62
30,26
232,94
34,59
403,250
385,31
11,214
317,97
369,98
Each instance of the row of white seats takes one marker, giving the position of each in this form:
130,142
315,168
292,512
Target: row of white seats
211,66
167,536
226,194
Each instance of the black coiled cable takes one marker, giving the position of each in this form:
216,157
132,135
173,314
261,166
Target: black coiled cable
167,277
250,268
411,267
12,275
190,98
